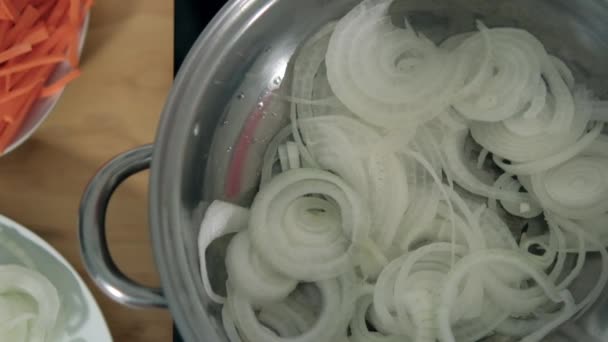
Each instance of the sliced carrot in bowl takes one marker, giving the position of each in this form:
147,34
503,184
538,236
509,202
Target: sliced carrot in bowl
36,36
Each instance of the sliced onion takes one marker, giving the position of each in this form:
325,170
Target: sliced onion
34,321
577,189
456,166
252,276
283,158
596,226
567,312
379,206
536,118
358,325
484,325
388,196
602,279
536,329
334,143
510,77
502,142
475,51
564,107
270,155
581,251
536,166
526,208
419,215
496,231
419,304
427,195
323,254
293,155
307,66
19,313
11,247
229,326
329,324
221,218
501,257
384,74
384,313
483,156
564,71
289,318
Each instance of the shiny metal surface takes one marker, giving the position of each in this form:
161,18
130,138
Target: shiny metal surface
223,110
93,244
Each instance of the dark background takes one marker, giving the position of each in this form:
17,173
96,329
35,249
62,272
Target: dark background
191,17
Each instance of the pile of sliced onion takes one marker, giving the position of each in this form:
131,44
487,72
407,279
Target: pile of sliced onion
391,207
29,305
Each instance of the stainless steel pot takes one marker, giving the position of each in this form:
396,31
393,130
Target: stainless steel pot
221,114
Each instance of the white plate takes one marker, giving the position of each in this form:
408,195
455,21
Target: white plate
80,318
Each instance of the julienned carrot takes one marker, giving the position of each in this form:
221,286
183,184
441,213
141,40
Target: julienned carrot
38,35
16,105
58,85
59,12
4,15
18,92
8,8
55,45
15,51
74,9
45,7
4,27
27,19
20,114
87,5
20,4
32,64
35,37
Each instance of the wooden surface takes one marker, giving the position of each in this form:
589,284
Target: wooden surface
114,106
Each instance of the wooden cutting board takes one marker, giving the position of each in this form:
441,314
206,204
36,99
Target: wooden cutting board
115,105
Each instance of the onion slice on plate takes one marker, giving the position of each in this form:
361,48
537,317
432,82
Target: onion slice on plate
30,305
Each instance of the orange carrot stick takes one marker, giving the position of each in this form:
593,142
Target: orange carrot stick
17,121
13,106
4,27
18,92
15,51
74,12
4,15
55,45
58,12
87,5
45,8
26,20
20,5
36,36
9,9
56,87
31,64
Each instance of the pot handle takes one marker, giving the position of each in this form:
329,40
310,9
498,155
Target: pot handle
92,231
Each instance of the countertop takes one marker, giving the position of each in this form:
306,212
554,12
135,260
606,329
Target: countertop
115,105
